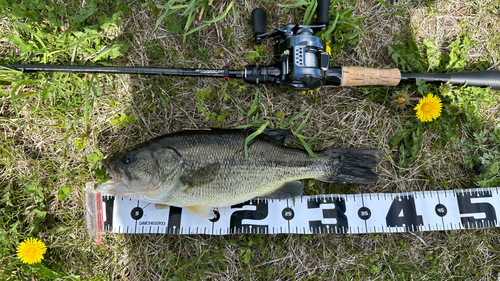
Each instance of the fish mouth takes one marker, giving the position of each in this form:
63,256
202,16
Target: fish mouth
117,184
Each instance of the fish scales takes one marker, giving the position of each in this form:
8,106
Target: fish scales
269,166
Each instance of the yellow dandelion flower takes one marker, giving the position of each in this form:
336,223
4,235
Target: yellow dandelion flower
328,49
31,251
400,100
429,108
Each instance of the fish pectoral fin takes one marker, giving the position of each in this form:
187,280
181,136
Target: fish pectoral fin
201,176
161,206
290,189
202,211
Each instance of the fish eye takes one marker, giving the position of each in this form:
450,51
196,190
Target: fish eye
126,160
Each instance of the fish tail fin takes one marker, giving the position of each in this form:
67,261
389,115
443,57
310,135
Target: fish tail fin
351,165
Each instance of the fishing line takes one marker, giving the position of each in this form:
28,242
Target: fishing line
434,210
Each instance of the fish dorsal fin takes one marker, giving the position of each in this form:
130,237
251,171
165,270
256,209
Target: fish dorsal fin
202,211
289,190
200,176
278,135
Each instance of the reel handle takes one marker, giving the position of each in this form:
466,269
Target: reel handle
322,12
259,21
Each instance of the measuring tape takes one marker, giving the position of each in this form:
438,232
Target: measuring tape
317,214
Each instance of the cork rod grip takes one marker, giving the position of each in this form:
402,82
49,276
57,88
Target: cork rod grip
362,76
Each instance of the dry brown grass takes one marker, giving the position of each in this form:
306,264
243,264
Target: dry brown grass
346,117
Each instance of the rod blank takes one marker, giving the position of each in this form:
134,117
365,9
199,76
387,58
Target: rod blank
126,70
477,79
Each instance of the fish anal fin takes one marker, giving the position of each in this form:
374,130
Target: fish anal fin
161,206
290,189
200,176
202,211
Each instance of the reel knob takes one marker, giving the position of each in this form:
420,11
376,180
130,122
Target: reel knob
322,12
259,21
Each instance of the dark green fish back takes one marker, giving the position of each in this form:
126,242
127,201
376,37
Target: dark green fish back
206,146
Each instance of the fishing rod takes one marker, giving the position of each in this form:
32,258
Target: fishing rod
301,61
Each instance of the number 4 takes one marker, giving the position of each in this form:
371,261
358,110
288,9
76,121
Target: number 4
404,213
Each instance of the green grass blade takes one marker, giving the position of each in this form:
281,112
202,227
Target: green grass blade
311,8
304,122
308,148
253,135
206,23
246,126
114,47
28,29
293,119
86,107
160,20
170,10
95,91
190,11
328,32
392,6
255,105
297,4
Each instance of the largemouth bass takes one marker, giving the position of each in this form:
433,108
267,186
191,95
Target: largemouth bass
203,169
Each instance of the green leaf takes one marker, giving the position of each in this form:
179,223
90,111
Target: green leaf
114,51
173,27
407,57
40,214
401,134
64,193
124,8
20,43
95,158
494,168
247,256
28,29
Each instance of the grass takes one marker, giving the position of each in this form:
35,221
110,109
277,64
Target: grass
55,129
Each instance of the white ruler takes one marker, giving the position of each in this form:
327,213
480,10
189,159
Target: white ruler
317,214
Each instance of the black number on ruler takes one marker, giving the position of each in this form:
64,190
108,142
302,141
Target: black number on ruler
236,223
174,220
109,200
465,206
338,213
404,213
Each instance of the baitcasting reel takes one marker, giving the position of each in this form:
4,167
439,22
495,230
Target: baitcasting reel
301,57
